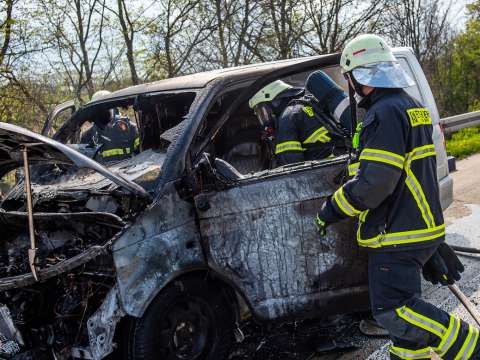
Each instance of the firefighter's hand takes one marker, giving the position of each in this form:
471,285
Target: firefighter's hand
453,263
321,226
443,267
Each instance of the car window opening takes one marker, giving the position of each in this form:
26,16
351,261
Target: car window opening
242,141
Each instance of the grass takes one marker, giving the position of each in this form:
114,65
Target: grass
464,142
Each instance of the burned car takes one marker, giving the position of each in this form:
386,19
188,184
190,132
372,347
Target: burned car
158,255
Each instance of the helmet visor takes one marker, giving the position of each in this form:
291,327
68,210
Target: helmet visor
264,114
383,75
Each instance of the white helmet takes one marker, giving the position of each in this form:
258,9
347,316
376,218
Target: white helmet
269,93
371,61
100,94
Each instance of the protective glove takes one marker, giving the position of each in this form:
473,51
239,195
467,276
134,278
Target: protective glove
321,226
443,267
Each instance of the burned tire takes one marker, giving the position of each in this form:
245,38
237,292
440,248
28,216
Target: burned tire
191,319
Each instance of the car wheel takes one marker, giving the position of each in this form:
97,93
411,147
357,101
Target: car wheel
191,319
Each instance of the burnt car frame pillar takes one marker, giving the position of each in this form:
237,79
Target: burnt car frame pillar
32,252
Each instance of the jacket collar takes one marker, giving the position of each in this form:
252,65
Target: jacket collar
368,101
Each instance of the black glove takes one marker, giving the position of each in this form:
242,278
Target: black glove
443,267
321,226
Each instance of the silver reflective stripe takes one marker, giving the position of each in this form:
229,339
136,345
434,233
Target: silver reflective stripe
343,203
450,337
469,344
337,114
411,354
404,237
421,150
371,154
421,321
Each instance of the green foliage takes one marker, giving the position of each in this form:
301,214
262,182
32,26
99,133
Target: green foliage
464,142
456,83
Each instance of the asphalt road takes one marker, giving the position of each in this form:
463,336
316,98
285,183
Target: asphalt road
463,228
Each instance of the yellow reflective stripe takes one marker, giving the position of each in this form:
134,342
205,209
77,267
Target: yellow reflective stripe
383,156
414,185
353,168
289,146
308,110
421,321
473,344
116,151
343,203
318,135
136,143
468,345
450,337
421,152
419,197
403,353
402,237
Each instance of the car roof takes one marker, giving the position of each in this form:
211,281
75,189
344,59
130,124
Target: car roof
200,80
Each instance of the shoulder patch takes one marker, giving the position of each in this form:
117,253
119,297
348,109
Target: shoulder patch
308,110
419,116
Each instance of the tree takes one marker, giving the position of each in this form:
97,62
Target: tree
74,29
182,27
420,24
285,27
6,28
335,22
457,85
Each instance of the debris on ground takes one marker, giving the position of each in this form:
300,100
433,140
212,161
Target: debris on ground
300,340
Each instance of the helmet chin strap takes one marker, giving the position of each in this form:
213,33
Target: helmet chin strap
353,109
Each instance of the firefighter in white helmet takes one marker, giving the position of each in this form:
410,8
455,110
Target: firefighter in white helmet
299,122
394,193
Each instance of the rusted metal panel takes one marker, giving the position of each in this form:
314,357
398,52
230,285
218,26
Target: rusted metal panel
262,235
163,242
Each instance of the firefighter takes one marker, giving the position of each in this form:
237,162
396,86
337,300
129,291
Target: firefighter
394,193
300,124
116,137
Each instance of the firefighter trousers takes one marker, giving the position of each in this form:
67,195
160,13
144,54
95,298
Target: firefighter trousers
416,327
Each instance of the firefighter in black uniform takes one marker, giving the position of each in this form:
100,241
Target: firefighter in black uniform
394,192
301,130
116,137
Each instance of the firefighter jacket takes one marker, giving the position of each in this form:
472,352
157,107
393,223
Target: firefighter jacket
301,134
118,140
394,189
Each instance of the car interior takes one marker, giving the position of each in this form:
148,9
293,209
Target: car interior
242,147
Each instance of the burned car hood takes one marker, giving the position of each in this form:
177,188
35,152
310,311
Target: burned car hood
41,149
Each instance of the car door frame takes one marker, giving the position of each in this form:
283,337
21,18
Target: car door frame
303,305
60,108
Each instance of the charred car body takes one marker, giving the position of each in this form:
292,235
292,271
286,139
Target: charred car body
168,245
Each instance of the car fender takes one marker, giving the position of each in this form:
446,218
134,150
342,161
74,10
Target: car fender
162,243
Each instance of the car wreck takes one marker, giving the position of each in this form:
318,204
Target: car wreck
159,255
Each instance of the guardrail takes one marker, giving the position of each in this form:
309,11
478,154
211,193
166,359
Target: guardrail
457,122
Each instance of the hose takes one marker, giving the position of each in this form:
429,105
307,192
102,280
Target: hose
465,249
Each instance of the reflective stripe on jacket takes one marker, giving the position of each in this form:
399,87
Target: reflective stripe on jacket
300,134
394,189
119,140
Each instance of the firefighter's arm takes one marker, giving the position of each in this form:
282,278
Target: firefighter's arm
288,149
380,168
